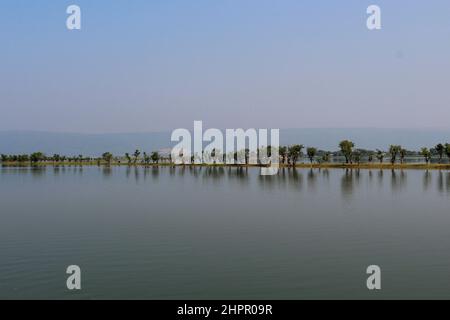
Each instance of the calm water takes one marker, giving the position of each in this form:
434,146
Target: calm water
223,233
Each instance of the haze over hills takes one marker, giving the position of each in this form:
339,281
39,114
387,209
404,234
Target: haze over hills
15,142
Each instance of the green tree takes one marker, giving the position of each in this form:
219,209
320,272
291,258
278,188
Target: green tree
426,154
311,152
440,149
346,147
393,151
447,150
357,156
136,155
380,155
246,155
294,152
402,153
326,157
282,151
155,157
146,157
107,156
127,155
37,156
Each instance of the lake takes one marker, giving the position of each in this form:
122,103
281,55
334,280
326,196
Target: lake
223,233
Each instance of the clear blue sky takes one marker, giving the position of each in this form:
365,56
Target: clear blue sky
158,65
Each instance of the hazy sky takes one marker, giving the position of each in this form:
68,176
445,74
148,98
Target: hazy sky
158,65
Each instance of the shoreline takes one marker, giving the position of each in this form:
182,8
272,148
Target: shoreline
367,166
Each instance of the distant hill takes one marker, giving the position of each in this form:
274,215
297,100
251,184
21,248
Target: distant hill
118,143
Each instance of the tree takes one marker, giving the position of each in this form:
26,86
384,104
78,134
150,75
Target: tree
357,156
107,156
402,154
380,155
155,157
23,158
393,151
294,152
447,150
4,157
37,156
426,154
440,149
326,157
282,151
347,149
246,155
311,153
127,155
144,158
136,155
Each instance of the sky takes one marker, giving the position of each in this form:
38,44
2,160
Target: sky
144,66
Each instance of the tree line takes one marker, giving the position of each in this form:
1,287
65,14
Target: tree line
288,155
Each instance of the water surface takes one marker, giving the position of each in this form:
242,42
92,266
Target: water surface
179,233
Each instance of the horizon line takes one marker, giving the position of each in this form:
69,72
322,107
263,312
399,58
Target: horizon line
168,130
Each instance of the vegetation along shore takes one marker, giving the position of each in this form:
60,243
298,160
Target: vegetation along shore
395,157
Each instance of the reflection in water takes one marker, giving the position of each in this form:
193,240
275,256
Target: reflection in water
443,182
448,182
196,235
440,181
106,171
347,184
38,171
325,173
380,178
155,172
398,180
214,172
426,180
287,178
311,177
136,173
56,170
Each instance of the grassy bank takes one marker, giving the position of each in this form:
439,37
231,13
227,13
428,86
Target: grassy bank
331,165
